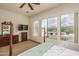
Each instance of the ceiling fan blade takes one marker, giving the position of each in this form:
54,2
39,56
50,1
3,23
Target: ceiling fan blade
22,5
36,3
30,6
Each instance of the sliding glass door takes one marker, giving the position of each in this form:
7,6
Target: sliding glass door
49,28
67,27
52,28
44,28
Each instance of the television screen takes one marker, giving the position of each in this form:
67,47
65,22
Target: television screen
25,27
22,27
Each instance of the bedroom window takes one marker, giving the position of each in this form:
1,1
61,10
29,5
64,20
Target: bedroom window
52,28
36,28
67,27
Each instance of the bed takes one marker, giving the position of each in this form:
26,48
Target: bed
48,49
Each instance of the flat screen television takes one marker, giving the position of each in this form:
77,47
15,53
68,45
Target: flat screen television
22,27
25,27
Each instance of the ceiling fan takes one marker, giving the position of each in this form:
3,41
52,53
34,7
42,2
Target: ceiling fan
29,4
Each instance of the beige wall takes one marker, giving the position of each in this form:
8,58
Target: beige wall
14,18
58,11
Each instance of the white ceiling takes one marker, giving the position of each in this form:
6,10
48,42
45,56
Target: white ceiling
14,7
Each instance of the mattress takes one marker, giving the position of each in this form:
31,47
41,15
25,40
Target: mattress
60,51
38,50
48,49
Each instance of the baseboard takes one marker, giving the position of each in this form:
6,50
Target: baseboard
34,41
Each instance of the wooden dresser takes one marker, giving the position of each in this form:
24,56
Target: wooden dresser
5,40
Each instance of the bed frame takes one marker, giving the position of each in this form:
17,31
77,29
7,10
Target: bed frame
8,27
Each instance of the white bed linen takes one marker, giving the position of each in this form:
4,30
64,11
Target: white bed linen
60,51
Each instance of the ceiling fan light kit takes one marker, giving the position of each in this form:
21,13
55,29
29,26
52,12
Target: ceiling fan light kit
27,11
